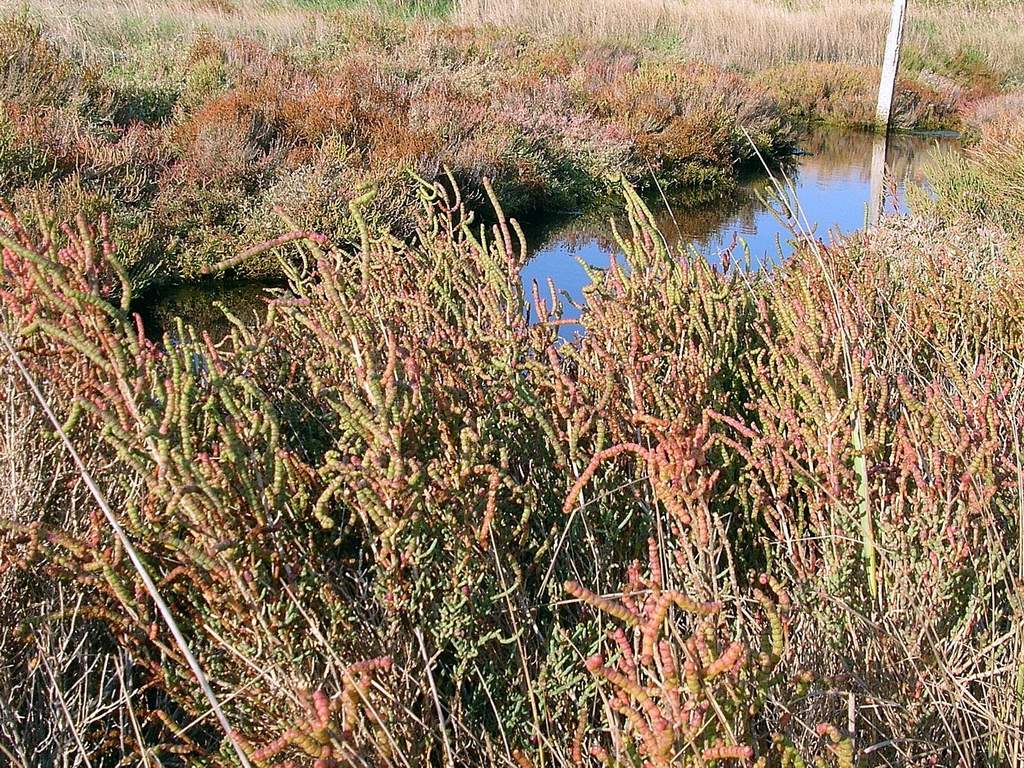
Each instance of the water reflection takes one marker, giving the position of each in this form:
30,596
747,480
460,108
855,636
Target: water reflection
831,181
876,190
829,186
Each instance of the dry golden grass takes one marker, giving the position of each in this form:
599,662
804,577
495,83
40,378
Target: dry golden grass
753,34
982,40
746,34
106,29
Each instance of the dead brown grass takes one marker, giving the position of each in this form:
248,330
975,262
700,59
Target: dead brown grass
765,33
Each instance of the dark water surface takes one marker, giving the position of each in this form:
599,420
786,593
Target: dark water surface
203,306
830,179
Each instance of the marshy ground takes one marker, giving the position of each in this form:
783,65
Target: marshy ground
408,509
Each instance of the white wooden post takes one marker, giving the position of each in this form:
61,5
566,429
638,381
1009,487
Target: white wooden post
890,64
883,114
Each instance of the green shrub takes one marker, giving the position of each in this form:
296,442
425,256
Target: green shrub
34,72
986,183
844,95
394,465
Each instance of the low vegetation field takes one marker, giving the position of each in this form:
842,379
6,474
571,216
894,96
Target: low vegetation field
398,519
188,124
947,36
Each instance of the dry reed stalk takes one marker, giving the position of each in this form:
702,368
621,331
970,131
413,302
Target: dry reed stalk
765,33
129,548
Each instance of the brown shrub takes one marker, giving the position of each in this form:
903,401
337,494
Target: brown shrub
846,95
